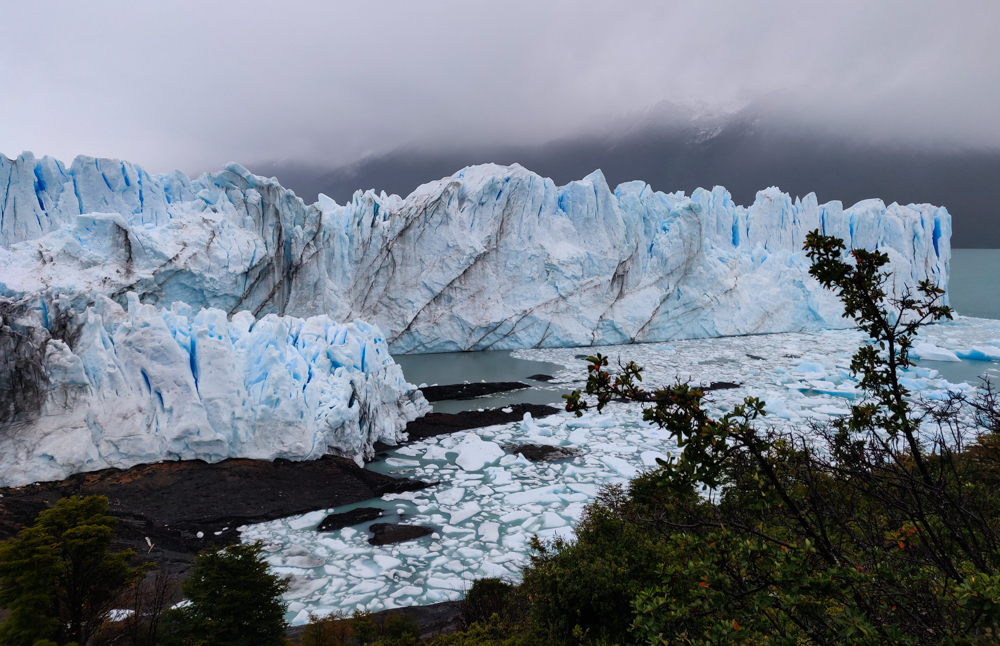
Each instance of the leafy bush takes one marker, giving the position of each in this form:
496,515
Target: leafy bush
493,596
234,601
880,528
59,581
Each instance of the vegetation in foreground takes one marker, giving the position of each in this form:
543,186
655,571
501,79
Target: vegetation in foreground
880,528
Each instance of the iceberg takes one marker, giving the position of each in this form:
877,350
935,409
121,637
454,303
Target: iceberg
491,258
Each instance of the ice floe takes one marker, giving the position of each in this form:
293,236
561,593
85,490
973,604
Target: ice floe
484,514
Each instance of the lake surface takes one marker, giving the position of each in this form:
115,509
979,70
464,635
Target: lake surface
974,287
460,367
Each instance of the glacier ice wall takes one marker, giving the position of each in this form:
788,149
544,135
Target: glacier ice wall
147,384
492,257
201,313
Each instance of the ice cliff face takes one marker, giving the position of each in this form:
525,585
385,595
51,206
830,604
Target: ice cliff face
490,258
205,309
151,384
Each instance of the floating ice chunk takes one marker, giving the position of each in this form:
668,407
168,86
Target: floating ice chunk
466,512
474,453
623,468
436,453
400,462
386,562
827,409
981,353
489,532
493,570
590,420
300,587
552,519
409,590
536,495
362,571
519,514
309,520
450,496
578,437
459,585
613,448
931,352
498,475
366,587
810,366
509,459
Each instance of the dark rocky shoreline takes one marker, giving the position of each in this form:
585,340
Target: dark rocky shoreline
433,424
470,390
170,502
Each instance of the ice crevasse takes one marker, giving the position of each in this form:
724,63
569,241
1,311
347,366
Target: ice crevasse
206,308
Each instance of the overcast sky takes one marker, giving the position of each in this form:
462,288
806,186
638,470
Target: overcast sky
192,85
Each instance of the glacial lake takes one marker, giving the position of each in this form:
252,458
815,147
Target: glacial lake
483,514
458,367
974,290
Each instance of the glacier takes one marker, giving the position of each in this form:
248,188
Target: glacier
147,384
491,258
181,319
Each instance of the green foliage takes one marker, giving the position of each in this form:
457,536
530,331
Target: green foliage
396,629
234,601
493,596
586,588
59,580
494,632
872,530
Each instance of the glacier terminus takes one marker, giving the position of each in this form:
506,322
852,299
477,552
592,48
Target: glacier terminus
224,317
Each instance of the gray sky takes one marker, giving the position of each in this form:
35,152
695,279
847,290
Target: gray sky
193,85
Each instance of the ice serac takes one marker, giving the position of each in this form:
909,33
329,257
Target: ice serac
492,257
147,384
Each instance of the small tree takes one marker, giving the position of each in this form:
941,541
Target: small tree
59,579
880,528
234,600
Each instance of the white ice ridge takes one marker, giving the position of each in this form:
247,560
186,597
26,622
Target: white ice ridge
493,257
150,384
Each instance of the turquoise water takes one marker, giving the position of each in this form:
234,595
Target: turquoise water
974,288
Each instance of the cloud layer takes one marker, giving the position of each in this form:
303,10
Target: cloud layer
192,84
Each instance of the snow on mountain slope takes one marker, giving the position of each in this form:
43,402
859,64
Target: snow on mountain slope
490,258
151,384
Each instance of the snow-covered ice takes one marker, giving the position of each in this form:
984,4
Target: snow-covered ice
493,257
486,531
145,384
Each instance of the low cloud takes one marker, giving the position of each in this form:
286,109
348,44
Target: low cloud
193,85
